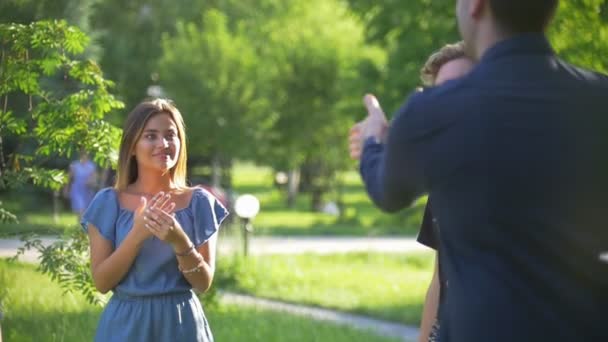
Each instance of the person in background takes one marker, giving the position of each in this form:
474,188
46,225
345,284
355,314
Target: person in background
81,183
448,63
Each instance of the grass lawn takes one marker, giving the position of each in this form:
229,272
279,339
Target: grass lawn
34,211
361,217
386,286
35,309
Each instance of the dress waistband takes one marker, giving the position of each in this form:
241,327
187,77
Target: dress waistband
173,295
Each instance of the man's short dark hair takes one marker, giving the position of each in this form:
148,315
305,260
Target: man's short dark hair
520,16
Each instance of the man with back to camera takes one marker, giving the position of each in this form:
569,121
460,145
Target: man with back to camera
514,156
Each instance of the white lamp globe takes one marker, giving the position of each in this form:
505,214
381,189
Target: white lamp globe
247,206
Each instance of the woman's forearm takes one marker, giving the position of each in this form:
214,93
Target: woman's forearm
111,271
202,278
195,263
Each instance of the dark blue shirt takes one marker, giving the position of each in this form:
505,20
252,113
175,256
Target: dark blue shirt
515,157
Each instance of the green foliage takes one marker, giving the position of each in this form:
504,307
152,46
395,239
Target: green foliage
7,216
213,75
130,35
41,49
75,12
277,86
319,68
56,122
66,262
409,31
580,33
316,50
53,120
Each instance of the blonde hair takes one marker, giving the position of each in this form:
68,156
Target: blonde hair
450,52
126,171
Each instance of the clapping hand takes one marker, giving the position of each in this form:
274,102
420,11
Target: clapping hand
160,202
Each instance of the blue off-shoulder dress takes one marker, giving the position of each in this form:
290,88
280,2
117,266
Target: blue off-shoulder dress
154,302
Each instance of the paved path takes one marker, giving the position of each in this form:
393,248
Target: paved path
275,245
325,245
8,248
384,328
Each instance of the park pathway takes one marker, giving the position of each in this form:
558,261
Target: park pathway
275,245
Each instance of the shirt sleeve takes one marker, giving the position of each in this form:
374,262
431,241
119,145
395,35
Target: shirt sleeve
102,213
392,172
208,214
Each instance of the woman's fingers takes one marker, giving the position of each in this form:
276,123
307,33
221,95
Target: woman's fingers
155,199
162,200
152,227
168,207
163,217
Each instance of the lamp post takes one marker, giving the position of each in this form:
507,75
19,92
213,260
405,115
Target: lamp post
246,207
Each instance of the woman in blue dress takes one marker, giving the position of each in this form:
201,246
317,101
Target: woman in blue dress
153,239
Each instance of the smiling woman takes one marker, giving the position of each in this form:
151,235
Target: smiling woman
153,239
153,129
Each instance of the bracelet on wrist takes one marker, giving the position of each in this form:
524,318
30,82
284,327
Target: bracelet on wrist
195,269
189,251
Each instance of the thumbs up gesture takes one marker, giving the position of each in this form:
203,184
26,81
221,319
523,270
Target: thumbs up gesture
375,125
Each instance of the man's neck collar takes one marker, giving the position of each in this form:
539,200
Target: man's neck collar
523,43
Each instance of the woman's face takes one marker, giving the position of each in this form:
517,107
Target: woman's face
453,69
158,146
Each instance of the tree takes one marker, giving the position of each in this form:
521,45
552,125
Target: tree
56,122
130,35
317,57
213,74
409,31
580,33
75,12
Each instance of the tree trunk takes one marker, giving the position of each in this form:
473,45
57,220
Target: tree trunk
56,206
340,198
216,172
2,165
227,174
293,183
316,197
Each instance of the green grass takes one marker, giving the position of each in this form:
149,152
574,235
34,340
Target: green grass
36,310
385,286
231,323
34,211
360,216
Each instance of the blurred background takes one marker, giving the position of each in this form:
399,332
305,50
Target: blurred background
268,90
